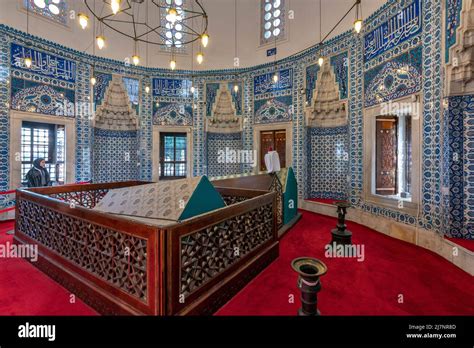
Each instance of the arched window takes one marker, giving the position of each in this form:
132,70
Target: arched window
55,10
272,14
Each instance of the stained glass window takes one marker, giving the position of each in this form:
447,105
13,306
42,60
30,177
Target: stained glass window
55,10
273,22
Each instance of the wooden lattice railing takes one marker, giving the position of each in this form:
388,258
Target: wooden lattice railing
122,266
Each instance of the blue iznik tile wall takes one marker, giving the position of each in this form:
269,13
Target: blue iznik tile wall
398,53
223,154
458,162
327,153
115,155
145,132
4,118
452,20
396,78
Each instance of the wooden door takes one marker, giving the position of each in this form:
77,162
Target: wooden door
386,155
280,146
276,139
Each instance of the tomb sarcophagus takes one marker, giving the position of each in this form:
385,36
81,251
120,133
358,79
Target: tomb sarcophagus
168,248
283,183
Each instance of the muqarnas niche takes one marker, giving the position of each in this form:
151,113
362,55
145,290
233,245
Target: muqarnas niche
224,118
115,135
326,108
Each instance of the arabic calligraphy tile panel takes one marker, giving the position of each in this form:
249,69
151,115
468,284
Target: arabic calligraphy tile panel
403,26
329,160
453,21
43,63
41,98
165,87
396,78
217,144
263,84
31,76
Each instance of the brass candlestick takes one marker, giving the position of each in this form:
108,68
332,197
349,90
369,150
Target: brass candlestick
309,271
341,235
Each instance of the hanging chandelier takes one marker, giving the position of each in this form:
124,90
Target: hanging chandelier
167,23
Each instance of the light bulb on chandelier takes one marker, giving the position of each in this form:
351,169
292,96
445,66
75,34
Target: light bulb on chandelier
236,88
205,39
172,64
100,42
200,57
93,81
358,25
321,61
136,60
83,20
115,5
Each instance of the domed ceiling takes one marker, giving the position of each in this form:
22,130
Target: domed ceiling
299,23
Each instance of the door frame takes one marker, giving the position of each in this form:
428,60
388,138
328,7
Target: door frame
287,127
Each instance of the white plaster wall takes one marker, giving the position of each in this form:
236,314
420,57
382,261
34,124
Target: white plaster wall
303,31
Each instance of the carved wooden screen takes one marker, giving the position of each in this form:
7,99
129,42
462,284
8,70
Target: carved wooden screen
275,140
386,155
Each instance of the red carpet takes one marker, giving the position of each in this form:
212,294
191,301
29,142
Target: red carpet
24,290
429,284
